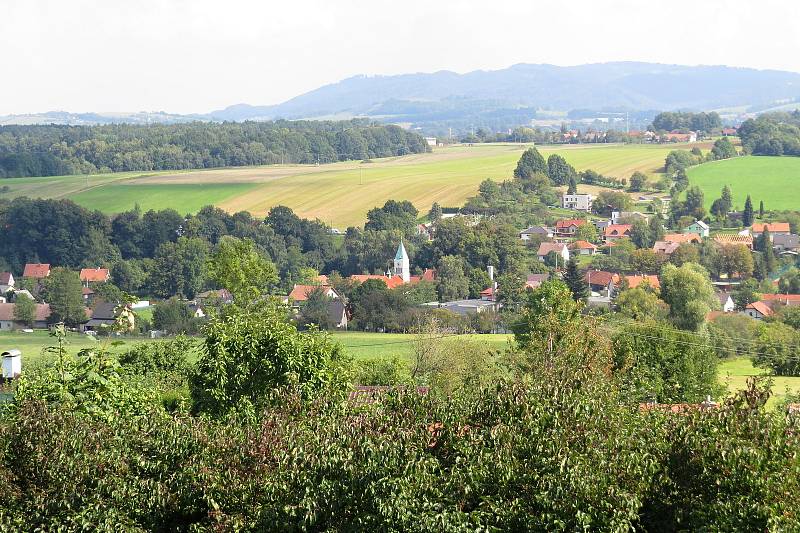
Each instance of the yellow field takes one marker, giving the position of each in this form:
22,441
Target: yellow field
339,193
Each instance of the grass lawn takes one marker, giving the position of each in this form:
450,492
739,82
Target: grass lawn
340,194
32,344
735,371
771,179
362,345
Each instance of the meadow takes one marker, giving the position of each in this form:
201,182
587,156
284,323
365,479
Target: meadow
340,194
732,372
772,180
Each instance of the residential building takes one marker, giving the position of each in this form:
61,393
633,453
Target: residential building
36,270
634,281
391,281
601,282
698,227
774,228
615,232
534,281
567,228
431,141
536,231
466,307
222,295
578,202
106,315
726,301
9,322
664,247
6,282
337,313
628,216
781,243
560,248
429,275
781,299
583,248
94,275
683,237
426,230
758,310
733,240
300,293
676,136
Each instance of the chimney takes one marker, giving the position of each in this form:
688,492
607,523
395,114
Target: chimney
490,270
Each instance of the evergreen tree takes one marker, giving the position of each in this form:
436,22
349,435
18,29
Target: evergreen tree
530,163
572,188
656,228
573,277
559,171
435,213
761,209
747,214
764,245
727,198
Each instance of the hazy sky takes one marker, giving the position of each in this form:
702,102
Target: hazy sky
187,56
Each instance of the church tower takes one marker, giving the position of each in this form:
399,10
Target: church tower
402,267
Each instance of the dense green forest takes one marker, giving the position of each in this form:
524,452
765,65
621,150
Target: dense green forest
772,134
669,121
58,150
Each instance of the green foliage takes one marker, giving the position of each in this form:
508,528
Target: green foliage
394,215
657,362
559,171
772,134
382,371
637,182
164,362
24,310
608,201
63,292
746,293
723,149
453,283
671,120
247,356
179,267
747,214
574,278
530,163
689,293
777,347
641,304
174,316
236,265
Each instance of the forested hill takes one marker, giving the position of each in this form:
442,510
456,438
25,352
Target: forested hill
58,150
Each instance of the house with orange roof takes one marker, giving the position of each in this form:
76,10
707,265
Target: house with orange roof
600,281
429,275
300,293
637,280
614,232
774,228
583,248
758,310
666,248
679,137
682,237
734,240
36,270
94,275
781,299
567,228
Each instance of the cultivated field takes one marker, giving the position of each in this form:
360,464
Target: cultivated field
771,179
339,193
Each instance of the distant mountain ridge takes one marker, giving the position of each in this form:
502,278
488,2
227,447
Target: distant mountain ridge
498,98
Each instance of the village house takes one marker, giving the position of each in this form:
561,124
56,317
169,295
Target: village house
680,238
583,248
757,310
781,243
781,299
726,301
666,248
6,282
578,202
36,271
106,314
679,137
300,293
733,240
536,231
205,298
567,228
559,248
8,321
94,275
774,228
638,280
729,132
698,227
617,217
399,274
614,232
601,282
425,230
534,281
88,295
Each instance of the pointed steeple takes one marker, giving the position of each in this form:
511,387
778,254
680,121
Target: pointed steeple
402,267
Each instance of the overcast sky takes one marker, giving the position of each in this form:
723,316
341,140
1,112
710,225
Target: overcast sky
187,56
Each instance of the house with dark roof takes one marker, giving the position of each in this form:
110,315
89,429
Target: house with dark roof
6,282
666,248
567,228
36,270
8,321
534,281
600,281
106,314
783,243
536,231
206,297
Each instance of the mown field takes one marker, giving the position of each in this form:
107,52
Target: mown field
732,372
339,193
771,179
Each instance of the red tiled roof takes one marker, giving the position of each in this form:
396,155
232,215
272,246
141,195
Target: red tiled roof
547,247
617,230
393,282
761,307
635,281
772,227
682,237
36,270
487,292
94,274
563,224
664,247
5,278
727,240
300,292
86,291
583,245
600,277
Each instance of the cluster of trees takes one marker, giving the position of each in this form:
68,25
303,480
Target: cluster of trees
545,136
668,121
56,150
772,134
265,441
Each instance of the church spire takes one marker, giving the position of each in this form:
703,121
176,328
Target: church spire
402,267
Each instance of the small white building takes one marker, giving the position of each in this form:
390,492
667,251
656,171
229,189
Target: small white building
12,364
558,247
6,282
578,202
431,141
758,310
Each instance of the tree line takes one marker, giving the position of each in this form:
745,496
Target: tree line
670,120
772,134
57,150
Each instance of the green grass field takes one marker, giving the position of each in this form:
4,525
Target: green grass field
33,344
734,373
771,179
361,345
339,193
